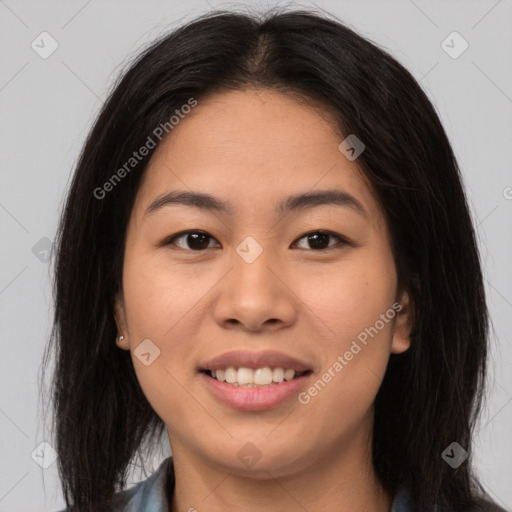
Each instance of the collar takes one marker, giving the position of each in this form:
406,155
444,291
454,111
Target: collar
153,494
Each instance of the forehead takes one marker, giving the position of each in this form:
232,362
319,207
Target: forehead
252,148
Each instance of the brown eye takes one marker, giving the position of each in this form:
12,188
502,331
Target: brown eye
194,240
319,240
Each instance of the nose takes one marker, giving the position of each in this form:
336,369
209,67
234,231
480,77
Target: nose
255,296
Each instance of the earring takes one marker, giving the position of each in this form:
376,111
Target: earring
121,338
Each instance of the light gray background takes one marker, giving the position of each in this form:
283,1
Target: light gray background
47,107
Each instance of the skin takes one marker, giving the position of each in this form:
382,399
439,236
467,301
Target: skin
253,148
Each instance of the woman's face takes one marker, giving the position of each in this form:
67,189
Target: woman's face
256,282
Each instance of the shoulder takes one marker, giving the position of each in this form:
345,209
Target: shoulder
150,495
402,501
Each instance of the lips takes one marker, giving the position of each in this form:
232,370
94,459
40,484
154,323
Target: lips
255,360
251,399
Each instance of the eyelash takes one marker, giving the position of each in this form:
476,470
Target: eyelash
342,241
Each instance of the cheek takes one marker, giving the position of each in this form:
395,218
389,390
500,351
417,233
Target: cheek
350,295
156,299
158,294
159,301
354,303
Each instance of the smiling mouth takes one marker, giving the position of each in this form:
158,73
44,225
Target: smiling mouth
254,378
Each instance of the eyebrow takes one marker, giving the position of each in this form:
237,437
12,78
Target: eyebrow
290,204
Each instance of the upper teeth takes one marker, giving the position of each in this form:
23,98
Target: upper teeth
247,376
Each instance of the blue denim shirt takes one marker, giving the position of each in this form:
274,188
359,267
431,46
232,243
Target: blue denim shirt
150,495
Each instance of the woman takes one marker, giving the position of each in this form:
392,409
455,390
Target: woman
267,254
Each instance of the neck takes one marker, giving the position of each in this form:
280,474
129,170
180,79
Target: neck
341,480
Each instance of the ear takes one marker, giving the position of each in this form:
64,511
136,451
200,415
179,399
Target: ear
403,324
122,340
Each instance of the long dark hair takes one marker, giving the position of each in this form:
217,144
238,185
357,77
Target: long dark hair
431,395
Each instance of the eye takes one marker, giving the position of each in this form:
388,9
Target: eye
196,240
319,240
